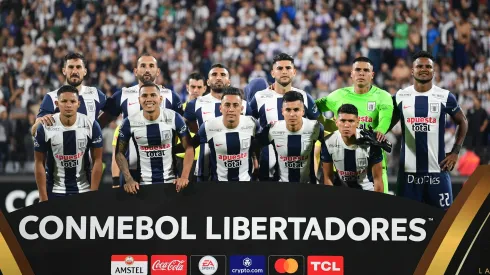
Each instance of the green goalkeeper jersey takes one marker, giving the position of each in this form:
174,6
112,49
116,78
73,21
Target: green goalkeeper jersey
375,107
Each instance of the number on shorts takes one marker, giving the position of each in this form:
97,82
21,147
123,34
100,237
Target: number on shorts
444,201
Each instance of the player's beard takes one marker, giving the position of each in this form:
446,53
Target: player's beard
423,81
146,78
284,83
74,83
217,88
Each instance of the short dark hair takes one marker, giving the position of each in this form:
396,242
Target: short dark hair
423,54
218,65
362,59
67,89
348,109
232,91
292,96
196,76
145,54
282,57
71,56
148,84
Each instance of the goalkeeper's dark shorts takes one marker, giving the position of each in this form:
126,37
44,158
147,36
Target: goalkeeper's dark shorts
431,188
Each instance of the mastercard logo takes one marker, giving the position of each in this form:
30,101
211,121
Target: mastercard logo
289,265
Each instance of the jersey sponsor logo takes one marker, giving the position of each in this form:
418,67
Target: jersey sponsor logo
350,175
404,94
151,148
247,127
435,107
365,119
183,129
205,113
69,157
294,162
219,144
215,130
53,128
293,158
233,157
137,123
406,107
371,106
430,120
266,96
439,96
423,179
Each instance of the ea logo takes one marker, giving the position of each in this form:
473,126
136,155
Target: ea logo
208,265
14,195
289,265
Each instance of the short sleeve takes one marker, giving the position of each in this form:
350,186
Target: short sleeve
180,127
47,106
452,106
124,131
190,111
96,141
325,154
312,110
113,104
202,134
40,144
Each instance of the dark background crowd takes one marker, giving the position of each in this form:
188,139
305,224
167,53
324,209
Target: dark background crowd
324,36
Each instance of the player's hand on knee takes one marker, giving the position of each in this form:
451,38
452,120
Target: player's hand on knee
131,187
181,183
47,120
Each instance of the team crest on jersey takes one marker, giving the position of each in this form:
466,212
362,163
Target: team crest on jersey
362,162
90,106
165,134
81,143
245,143
434,107
371,105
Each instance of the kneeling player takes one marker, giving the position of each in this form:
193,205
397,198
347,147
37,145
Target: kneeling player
66,144
358,166
293,141
153,131
230,139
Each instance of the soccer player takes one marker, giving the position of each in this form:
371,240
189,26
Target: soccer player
421,110
91,99
266,106
230,138
357,165
293,140
205,108
126,102
195,86
375,106
153,131
61,164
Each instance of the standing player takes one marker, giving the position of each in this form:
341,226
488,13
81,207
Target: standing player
195,87
293,141
65,144
126,102
375,106
91,99
357,165
266,106
153,131
421,109
230,138
205,108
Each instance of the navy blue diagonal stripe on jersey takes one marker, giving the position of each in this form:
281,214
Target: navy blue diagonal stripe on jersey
403,141
233,148
279,108
155,139
217,111
50,168
262,116
442,130
312,166
212,161
124,107
70,148
264,163
199,117
421,146
294,150
350,164
82,109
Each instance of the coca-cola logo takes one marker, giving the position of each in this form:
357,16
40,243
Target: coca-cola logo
169,264
175,265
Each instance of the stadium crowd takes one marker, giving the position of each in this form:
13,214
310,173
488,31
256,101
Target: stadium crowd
187,36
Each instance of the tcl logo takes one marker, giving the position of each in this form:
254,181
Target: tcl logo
325,265
169,264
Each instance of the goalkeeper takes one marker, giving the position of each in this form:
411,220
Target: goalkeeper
355,154
375,106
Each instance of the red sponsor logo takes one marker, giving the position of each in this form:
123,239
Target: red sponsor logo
169,264
233,157
293,158
365,119
268,109
412,120
132,103
325,265
219,144
155,147
405,107
205,113
350,173
69,157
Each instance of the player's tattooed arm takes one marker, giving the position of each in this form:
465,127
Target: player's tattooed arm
122,162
